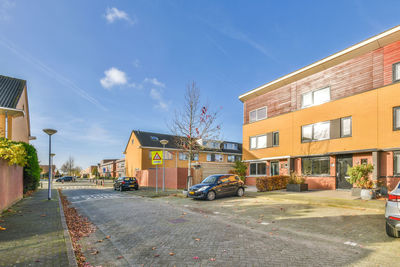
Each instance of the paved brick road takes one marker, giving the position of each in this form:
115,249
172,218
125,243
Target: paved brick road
145,231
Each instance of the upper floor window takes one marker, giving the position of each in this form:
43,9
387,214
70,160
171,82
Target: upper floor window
315,132
396,72
315,97
275,139
345,127
211,144
167,155
233,158
154,138
258,141
183,156
258,114
396,118
231,146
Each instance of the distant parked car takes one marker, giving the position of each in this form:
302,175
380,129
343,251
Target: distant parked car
392,213
126,183
65,179
216,186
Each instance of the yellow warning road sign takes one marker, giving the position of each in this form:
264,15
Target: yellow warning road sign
156,157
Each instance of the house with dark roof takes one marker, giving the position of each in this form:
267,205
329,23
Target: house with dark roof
213,157
14,109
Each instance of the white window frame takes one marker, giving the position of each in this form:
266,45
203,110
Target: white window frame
256,111
313,132
342,128
256,138
396,75
312,97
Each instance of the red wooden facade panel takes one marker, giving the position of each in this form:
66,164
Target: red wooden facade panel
357,75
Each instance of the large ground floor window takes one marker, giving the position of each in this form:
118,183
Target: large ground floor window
396,163
258,168
315,166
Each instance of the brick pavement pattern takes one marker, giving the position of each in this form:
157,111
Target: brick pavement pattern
34,234
144,232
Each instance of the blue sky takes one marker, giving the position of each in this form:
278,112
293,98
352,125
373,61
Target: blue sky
98,69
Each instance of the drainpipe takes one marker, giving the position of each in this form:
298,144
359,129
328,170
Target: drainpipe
375,162
6,125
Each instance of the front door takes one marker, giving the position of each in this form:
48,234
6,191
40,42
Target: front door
342,164
274,168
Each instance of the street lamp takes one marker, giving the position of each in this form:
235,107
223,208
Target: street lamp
163,142
50,132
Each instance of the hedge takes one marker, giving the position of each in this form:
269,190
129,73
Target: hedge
271,183
31,169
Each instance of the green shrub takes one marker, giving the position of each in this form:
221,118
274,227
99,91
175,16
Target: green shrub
296,179
359,175
31,169
271,183
240,169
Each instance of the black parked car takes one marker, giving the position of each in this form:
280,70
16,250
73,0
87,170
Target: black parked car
65,179
126,183
218,185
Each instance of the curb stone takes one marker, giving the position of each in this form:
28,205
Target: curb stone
67,237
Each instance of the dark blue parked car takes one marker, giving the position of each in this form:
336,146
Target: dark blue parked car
218,185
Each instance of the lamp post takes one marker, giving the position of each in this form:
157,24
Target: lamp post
163,142
50,132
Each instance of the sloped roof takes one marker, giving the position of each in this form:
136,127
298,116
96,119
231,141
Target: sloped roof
10,91
149,139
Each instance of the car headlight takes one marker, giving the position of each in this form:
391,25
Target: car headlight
203,188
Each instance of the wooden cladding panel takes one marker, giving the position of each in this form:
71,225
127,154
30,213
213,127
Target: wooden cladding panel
357,75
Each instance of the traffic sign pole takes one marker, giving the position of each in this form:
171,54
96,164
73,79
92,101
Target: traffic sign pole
156,179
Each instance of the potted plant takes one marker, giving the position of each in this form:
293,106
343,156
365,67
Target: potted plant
359,176
296,183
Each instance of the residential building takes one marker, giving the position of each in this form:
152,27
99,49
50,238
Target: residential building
88,172
338,112
120,165
107,168
214,157
14,110
45,170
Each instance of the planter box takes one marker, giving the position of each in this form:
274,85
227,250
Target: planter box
297,187
355,191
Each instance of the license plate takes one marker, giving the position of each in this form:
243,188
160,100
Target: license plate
131,186
192,193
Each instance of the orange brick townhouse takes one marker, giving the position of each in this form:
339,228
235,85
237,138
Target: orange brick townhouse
340,111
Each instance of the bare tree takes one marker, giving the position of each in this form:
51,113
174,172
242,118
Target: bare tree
192,123
68,166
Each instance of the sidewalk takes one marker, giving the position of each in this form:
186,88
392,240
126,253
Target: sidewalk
34,234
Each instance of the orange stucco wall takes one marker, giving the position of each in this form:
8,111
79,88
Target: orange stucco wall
372,126
11,184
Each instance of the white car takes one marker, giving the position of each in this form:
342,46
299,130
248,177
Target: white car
392,213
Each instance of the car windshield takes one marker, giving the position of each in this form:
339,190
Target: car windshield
212,179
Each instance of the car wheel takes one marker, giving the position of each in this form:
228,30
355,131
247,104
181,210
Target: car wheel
210,195
240,192
391,231
137,188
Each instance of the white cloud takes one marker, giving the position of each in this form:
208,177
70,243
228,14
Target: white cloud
113,77
156,95
113,14
154,81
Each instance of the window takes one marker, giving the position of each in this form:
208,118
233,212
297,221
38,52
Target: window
258,168
274,168
183,156
154,138
345,127
211,144
219,158
167,155
396,163
275,139
315,97
195,156
231,146
258,114
396,118
315,132
396,72
315,166
258,142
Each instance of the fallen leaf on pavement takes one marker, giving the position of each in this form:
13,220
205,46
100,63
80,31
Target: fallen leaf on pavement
171,254
157,255
212,259
43,215
153,248
95,252
37,260
184,213
195,258
120,257
2,228
108,237
100,241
